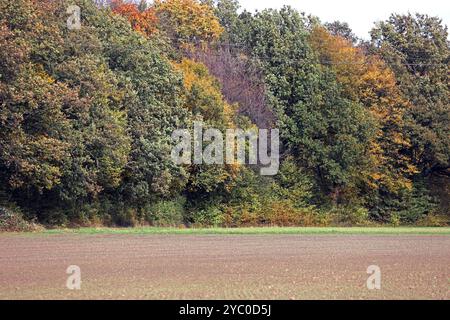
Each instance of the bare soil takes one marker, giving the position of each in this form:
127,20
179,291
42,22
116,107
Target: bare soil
224,266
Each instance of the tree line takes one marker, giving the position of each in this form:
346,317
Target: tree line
87,115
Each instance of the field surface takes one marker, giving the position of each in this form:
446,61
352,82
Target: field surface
202,264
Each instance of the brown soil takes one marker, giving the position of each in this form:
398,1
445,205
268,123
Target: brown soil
224,267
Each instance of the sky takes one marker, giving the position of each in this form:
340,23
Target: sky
359,14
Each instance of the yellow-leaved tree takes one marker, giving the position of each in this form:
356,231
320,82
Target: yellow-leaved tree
188,21
206,104
369,81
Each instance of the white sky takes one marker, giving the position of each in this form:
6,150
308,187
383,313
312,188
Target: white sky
360,15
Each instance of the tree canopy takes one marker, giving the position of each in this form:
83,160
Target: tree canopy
87,114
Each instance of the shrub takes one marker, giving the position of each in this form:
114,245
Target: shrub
416,204
126,217
13,221
211,216
434,220
350,216
166,212
249,218
395,219
284,213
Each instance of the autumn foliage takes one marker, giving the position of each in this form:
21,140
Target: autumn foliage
144,21
87,115
188,20
369,81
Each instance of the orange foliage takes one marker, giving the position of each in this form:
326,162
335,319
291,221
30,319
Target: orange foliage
144,21
369,81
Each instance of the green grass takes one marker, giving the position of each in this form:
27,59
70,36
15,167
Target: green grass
257,231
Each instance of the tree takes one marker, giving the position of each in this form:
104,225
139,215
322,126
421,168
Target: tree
94,114
33,127
241,80
65,133
417,50
142,18
87,115
341,29
327,133
188,21
154,97
206,104
367,80
227,14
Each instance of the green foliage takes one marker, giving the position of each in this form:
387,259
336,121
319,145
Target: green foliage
166,212
227,14
208,216
326,132
283,200
395,219
433,220
86,116
417,49
95,111
407,207
341,29
416,205
348,216
204,102
12,220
